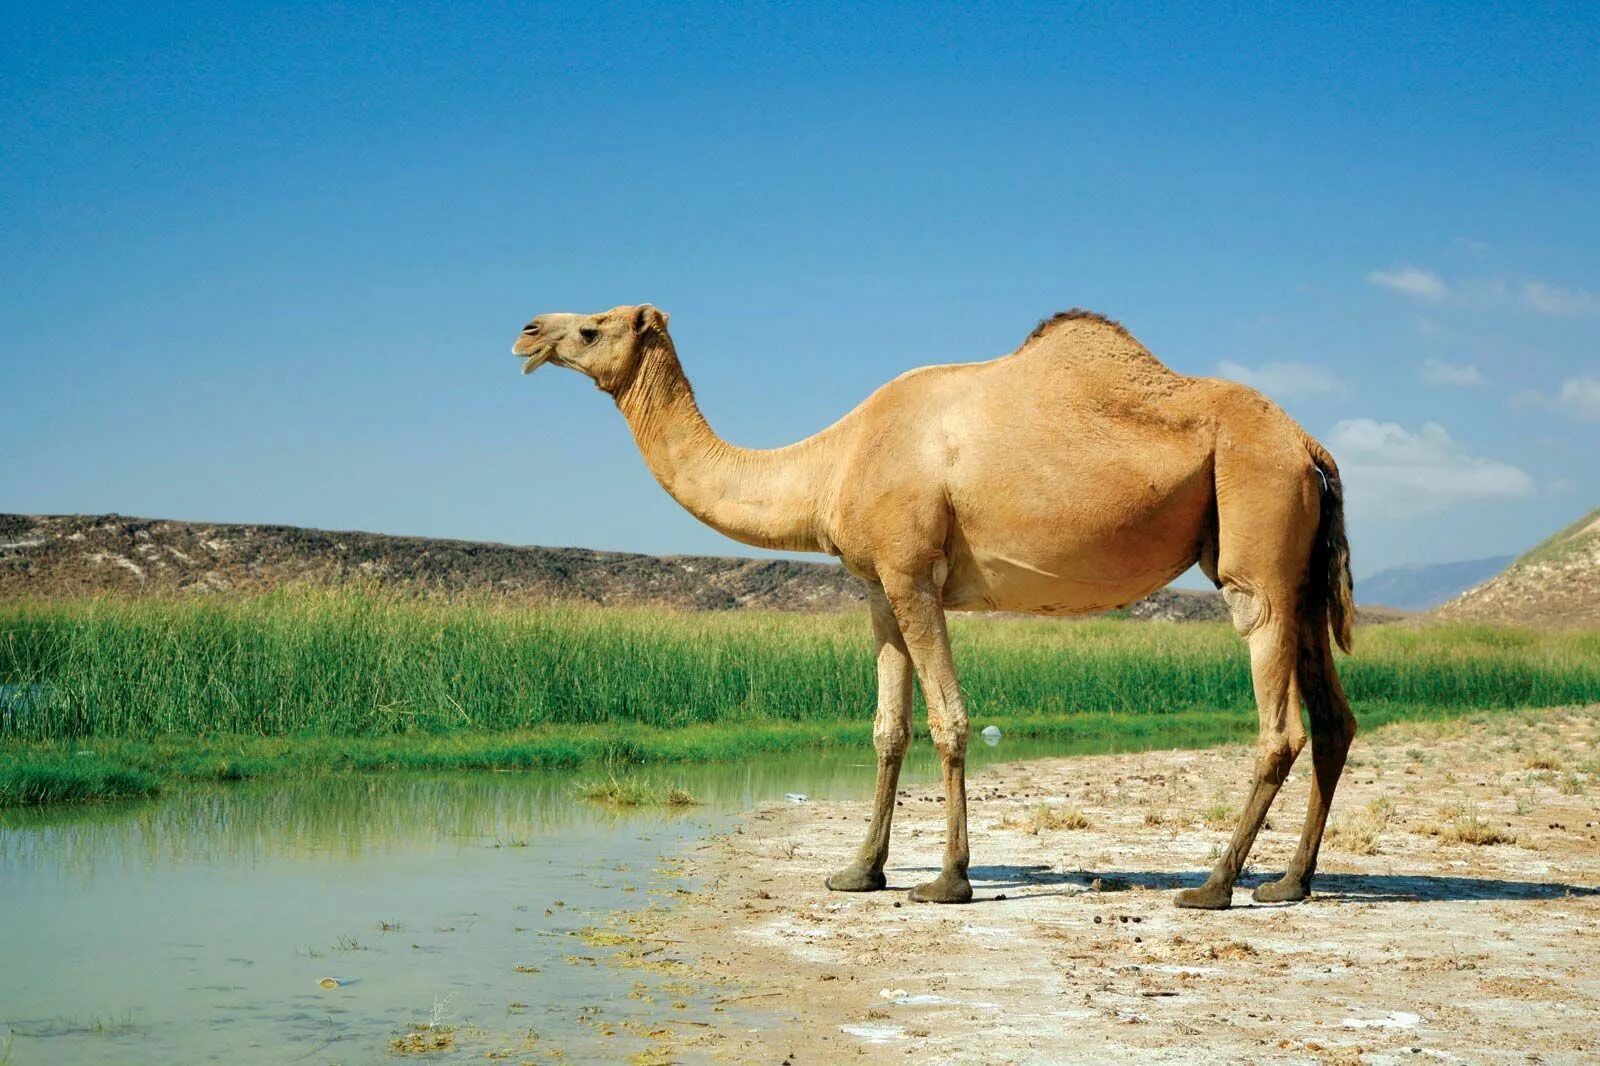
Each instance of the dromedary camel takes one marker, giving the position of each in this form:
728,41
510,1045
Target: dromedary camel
1075,474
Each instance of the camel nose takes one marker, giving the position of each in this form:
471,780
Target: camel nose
531,327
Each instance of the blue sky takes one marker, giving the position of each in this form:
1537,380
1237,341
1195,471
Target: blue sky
265,264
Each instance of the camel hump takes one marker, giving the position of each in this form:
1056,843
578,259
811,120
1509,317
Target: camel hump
1078,316
1080,342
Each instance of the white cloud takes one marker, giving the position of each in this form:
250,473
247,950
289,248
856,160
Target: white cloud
1392,472
1411,281
1456,375
1550,300
1578,397
1282,380
1531,295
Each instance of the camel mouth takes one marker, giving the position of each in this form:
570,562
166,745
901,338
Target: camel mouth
532,354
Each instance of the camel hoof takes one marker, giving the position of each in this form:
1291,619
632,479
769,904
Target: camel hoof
857,879
1206,897
1284,890
943,889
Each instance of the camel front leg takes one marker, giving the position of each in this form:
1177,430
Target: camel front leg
891,735
920,611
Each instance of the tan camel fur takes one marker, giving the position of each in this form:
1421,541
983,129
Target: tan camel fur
1075,474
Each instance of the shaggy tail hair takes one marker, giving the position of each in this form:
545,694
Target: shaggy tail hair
1331,594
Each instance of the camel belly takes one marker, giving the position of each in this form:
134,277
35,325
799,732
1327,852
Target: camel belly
1049,551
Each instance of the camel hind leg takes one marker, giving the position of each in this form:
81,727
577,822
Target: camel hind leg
1272,667
1267,522
1333,727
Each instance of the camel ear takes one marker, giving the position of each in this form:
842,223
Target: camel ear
647,318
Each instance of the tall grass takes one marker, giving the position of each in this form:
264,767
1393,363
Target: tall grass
304,661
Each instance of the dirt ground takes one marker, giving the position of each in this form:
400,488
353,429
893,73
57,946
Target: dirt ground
1455,917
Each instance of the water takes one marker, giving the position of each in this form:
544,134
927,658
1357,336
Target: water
194,928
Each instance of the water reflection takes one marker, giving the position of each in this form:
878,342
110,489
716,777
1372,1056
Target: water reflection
195,927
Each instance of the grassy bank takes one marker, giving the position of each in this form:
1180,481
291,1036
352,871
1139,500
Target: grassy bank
303,680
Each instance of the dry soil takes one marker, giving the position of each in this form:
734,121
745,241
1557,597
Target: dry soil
1456,915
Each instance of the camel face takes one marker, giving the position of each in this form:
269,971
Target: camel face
604,346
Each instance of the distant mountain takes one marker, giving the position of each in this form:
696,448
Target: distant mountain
1556,584
1426,585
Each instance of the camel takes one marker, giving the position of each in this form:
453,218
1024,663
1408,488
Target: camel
1075,474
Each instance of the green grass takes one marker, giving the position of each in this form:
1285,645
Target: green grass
632,791
310,679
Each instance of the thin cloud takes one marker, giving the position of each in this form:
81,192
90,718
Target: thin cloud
1540,297
1550,300
1411,281
1391,472
1578,397
1282,380
1455,375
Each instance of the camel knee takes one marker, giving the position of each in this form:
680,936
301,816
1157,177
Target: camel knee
891,736
1275,758
949,729
1244,607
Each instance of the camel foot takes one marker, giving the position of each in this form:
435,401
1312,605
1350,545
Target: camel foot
946,888
1287,889
1211,896
855,878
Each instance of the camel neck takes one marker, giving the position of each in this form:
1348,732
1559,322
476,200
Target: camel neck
766,498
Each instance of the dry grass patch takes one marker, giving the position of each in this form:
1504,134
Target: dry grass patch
1220,815
1542,762
1045,817
1359,833
1458,825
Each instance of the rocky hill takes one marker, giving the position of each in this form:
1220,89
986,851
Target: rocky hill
56,555
76,555
1556,584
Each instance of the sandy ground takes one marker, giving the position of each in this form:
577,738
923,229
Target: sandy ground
1416,946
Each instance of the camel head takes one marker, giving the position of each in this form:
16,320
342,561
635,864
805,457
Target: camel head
605,346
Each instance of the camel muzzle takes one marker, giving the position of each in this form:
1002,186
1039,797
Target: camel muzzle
527,348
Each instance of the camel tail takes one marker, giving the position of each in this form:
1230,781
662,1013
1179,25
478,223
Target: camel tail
1332,592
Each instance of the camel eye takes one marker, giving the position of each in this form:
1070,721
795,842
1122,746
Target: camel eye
588,333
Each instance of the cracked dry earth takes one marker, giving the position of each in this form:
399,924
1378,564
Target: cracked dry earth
1455,915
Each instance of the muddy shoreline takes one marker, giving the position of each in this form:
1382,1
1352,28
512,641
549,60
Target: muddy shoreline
1456,916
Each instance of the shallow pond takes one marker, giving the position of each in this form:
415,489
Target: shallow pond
197,927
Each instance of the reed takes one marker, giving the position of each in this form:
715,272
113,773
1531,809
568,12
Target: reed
341,663
340,676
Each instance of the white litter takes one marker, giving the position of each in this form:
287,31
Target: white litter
991,735
796,797
875,1034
